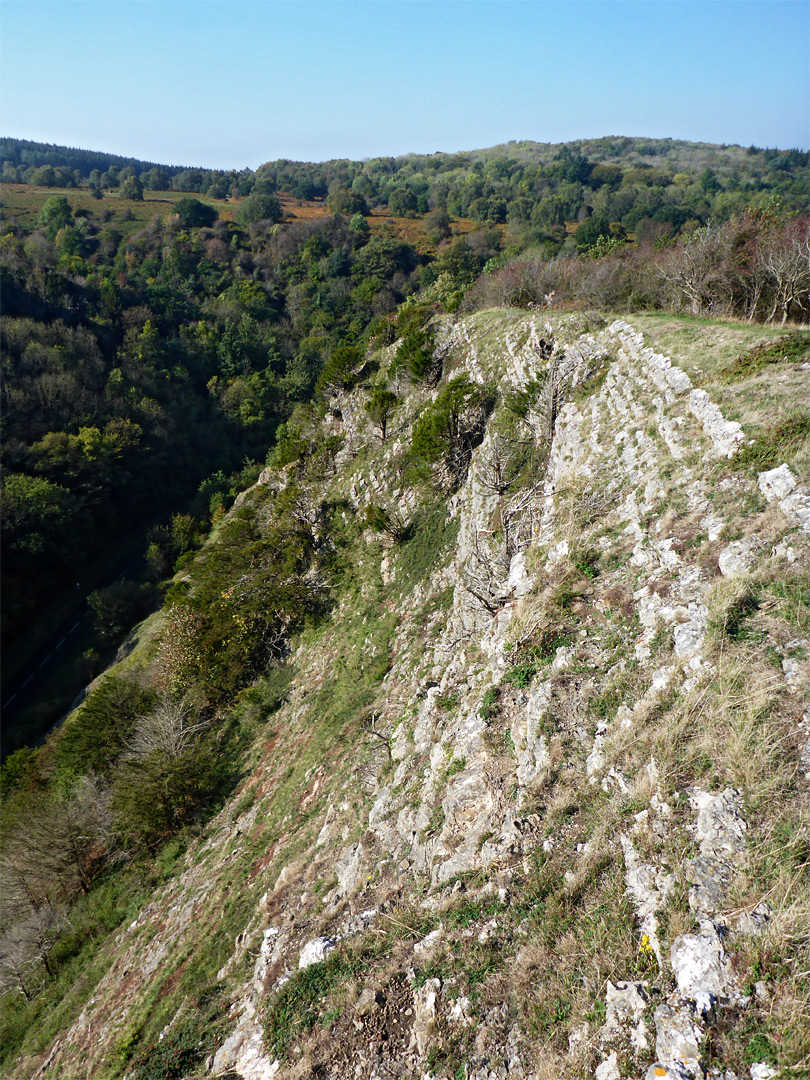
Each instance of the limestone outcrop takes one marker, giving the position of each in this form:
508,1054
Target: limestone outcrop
546,847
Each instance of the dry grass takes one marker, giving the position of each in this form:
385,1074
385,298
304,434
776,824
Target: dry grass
23,203
704,347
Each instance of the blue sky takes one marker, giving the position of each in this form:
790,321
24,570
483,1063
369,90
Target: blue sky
226,83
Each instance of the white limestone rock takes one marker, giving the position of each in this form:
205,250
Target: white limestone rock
720,828
779,485
273,940
804,753
424,1019
709,879
678,1038
796,665
626,1003
736,560
609,1069
776,484
316,951
797,507
754,922
350,869
519,582
701,967
428,944
243,1051
674,1070
649,888
761,1071
530,745
725,435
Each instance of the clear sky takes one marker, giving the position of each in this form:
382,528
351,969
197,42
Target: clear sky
226,83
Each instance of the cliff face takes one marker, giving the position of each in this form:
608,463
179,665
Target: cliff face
535,803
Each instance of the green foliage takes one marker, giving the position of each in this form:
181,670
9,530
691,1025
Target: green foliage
417,356
379,405
460,262
587,562
520,400
166,543
413,315
132,188
790,349
194,214
429,536
249,592
603,246
55,215
198,1033
760,1048
489,703
360,230
258,207
451,426
158,791
388,522
291,447
347,202
94,736
778,443
340,370
447,701
521,674
437,225
16,770
542,650
268,694
403,202
456,766
300,1004
118,607
35,511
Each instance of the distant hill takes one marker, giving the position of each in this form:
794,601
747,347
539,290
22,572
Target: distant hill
24,154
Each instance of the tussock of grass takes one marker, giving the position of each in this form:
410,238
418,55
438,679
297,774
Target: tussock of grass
779,442
792,348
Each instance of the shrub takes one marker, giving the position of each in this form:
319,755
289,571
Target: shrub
195,214
520,675
379,406
489,703
92,739
339,371
416,355
259,207
119,607
449,429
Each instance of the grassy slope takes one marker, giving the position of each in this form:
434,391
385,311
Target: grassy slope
23,203
565,925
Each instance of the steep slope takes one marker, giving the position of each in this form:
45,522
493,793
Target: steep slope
535,802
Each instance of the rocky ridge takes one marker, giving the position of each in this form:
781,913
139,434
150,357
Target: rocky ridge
542,725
